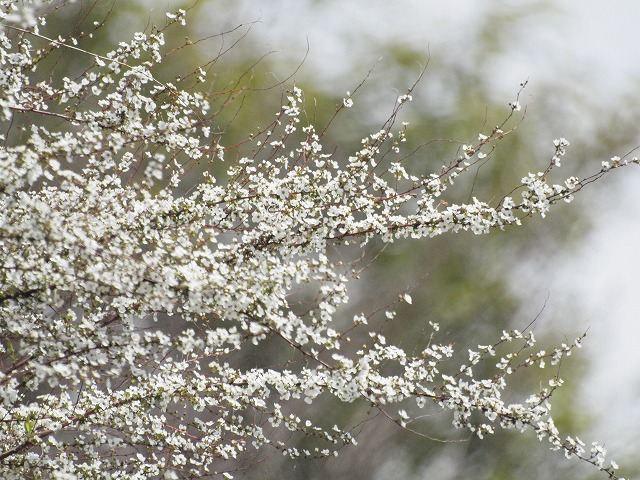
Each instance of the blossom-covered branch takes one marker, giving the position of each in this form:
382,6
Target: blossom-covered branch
105,231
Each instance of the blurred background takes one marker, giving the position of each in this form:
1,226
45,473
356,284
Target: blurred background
576,269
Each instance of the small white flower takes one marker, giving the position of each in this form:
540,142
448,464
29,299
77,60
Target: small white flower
347,101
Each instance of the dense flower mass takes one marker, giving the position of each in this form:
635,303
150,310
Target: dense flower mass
128,286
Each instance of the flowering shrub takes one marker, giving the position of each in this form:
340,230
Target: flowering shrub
129,288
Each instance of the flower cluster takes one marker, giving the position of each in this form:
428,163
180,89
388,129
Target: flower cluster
127,288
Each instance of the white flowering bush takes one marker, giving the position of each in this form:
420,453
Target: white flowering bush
138,264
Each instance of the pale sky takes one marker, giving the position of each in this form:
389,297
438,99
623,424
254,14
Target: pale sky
596,38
